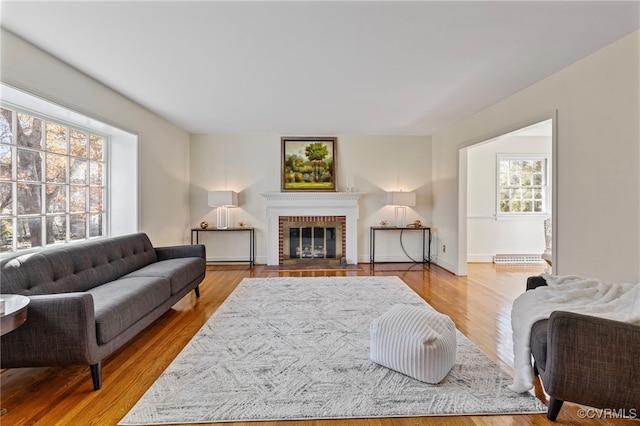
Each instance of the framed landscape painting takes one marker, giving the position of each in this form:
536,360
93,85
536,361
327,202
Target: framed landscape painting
308,164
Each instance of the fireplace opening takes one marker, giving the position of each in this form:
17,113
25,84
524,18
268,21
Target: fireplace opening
312,240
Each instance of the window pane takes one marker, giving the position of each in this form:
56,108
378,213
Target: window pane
77,199
6,135
54,178
29,165
5,162
537,179
57,226
56,168
78,171
537,193
29,199
56,198
95,199
78,223
56,138
6,198
78,143
6,235
95,173
521,185
95,225
29,232
96,145
31,134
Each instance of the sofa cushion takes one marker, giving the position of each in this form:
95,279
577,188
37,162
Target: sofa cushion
180,272
539,332
119,304
75,267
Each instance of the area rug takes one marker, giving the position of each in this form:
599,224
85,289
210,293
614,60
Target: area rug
298,348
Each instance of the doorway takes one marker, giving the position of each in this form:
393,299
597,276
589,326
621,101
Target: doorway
507,221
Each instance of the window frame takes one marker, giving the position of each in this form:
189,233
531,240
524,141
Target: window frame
545,187
15,217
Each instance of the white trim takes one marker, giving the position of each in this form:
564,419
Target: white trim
480,258
460,268
312,204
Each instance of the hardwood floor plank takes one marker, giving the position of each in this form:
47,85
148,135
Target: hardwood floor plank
479,304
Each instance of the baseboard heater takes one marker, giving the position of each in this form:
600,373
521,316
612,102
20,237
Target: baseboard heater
503,259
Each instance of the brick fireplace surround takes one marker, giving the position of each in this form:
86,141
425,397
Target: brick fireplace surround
312,205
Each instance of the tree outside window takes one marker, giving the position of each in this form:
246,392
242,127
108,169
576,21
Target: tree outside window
522,184
52,185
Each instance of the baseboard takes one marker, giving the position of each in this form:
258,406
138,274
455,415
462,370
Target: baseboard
480,258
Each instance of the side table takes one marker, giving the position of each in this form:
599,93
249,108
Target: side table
13,316
15,312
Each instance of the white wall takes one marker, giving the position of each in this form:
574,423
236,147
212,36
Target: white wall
250,165
487,236
163,148
597,155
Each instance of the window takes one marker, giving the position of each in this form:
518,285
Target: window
52,181
522,185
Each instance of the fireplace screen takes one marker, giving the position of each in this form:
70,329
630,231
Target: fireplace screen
305,242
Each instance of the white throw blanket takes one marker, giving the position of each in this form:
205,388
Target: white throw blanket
620,302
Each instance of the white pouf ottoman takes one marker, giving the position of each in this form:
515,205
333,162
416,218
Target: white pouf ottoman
415,340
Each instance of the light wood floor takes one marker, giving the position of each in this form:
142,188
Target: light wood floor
479,304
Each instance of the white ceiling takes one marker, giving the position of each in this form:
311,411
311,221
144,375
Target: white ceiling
319,68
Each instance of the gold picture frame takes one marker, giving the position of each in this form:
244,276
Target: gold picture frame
308,164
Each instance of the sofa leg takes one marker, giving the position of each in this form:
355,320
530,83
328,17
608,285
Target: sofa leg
554,408
96,375
197,290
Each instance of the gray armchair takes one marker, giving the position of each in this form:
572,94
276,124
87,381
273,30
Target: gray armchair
586,360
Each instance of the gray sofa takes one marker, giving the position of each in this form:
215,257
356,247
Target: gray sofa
587,360
87,300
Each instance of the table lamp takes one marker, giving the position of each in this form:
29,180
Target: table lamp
401,200
222,200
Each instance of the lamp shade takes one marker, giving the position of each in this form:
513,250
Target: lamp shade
223,198
400,198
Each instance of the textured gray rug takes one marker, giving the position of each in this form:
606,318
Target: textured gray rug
298,348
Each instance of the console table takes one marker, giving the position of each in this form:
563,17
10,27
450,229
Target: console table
195,232
426,241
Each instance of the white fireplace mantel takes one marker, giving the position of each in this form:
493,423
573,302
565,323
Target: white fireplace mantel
312,204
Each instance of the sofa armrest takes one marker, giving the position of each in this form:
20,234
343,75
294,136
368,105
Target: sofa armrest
173,252
535,282
593,361
59,330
